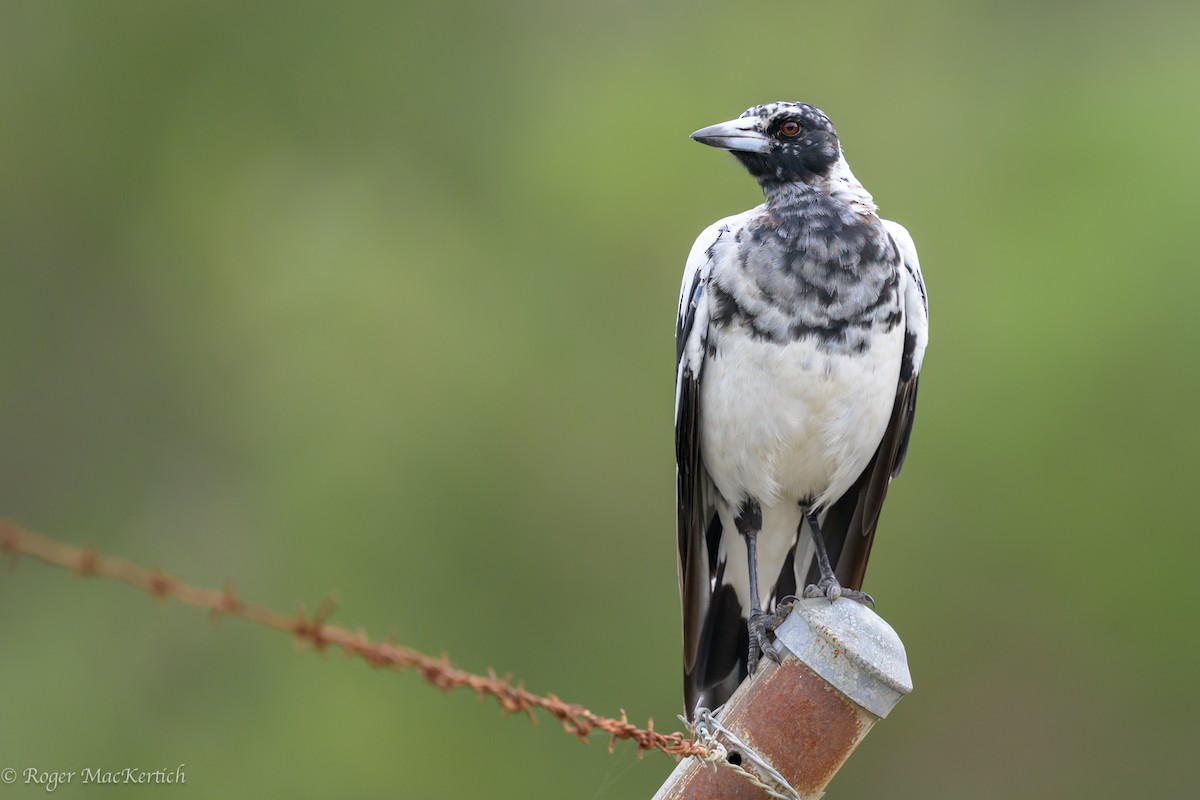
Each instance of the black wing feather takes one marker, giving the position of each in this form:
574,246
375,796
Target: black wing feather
694,514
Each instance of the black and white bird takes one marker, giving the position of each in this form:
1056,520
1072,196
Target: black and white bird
802,326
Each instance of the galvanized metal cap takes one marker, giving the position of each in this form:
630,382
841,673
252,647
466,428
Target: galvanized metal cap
852,648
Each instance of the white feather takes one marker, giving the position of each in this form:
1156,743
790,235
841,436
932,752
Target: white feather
916,303
791,423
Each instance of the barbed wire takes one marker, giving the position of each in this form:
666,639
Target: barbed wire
575,719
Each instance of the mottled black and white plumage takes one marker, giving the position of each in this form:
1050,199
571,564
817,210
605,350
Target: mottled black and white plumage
802,326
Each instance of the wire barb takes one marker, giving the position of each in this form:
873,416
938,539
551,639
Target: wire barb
313,630
708,734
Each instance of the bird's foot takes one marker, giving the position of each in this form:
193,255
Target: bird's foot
762,633
830,588
772,620
783,607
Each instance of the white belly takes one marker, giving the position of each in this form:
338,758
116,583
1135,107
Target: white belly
788,423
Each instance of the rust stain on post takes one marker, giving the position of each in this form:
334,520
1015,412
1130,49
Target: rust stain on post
794,718
793,699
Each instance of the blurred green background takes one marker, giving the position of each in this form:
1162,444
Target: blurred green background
379,299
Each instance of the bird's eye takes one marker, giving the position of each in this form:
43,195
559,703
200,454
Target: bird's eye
790,128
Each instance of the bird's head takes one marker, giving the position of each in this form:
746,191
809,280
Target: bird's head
779,142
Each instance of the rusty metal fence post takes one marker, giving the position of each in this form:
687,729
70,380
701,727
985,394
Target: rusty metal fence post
842,669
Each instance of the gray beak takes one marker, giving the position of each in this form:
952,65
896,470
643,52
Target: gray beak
737,134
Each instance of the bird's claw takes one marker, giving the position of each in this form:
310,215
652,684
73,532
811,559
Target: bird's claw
762,629
782,608
831,589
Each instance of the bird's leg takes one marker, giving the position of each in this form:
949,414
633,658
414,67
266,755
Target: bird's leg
827,585
749,523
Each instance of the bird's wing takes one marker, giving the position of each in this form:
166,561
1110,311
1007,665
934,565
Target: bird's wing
698,525
916,333
849,525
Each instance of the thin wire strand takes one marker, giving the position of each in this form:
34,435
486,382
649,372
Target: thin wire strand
575,719
708,733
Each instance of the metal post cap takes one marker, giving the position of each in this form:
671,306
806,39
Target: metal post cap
852,648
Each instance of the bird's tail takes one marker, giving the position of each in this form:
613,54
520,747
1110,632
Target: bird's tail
724,641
